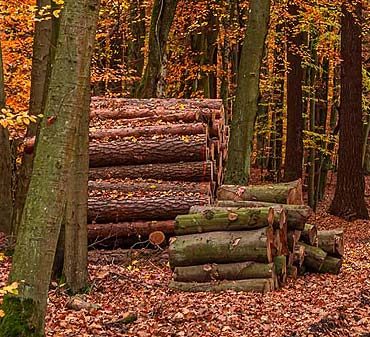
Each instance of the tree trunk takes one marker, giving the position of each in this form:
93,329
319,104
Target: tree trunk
256,285
39,230
209,221
349,201
314,257
231,271
246,102
160,24
6,204
294,142
190,171
331,241
148,151
283,193
331,265
142,208
309,235
221,247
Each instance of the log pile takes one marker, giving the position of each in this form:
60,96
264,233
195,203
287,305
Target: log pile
252,239
151,160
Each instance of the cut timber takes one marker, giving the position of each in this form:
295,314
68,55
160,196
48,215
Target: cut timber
296,216
293,237
128,229
331,265
331,241
146,208
209,221
282,193
221,247
153,130
252,285
314,257
189,171
280,265
148,151
231,271
292,272
309,235
128,186
299,255
157,238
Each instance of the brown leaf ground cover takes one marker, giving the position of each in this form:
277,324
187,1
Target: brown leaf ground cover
314,305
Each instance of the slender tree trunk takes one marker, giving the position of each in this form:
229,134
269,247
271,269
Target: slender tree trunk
349,199
44,208
246,102
294,142
6,203
160,25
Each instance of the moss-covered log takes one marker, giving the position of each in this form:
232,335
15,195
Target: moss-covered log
331,265
309,235
314,257
331,241
222,247
250,285
230,271
209,221
280,265
282,193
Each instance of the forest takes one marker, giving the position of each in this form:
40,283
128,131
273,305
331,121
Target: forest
184,168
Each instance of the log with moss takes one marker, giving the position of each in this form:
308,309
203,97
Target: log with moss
230,271
296,215
209,221
331,241
280,265
331,265
314,257
251,285
282,193
222,247
309,235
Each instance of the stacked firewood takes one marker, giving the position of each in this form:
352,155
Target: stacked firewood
249,241
151,160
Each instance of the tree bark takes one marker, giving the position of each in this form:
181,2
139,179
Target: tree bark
314,257
331,241
331,265
221,247
255,285
309,235
6,204
148,151
142,208
39,230
160,24
280,266
349,200
283,193
191,171
231,271
294,142
209,221
246,101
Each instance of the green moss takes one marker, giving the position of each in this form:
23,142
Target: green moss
17,321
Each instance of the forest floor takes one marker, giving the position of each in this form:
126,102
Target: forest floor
313,305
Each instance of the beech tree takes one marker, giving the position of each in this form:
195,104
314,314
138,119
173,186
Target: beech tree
47,197
246,100
349,195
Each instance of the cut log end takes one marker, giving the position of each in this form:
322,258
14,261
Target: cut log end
157,238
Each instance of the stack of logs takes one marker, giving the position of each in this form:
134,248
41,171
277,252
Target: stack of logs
250,241
151,160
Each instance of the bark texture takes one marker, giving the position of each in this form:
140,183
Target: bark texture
314,257
331,241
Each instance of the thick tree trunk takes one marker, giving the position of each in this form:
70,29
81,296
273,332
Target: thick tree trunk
331,241
309,235
190,171
246,102
349,201
97,232
253,285
294,142
102,210
6,204
221,247
331,265
231,271
162,16
148,151
209,221
314,257
39,230
283,193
